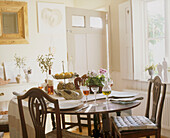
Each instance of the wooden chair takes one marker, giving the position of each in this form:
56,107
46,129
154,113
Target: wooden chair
80,117
77,82
140,126
38,112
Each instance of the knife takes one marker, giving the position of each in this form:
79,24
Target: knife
82,108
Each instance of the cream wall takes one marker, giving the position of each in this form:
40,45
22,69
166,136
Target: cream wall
90,4
38,43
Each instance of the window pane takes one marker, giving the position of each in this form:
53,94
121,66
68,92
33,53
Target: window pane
78,21
156,51
96,22
156,18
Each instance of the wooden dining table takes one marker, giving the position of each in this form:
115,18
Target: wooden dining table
101,109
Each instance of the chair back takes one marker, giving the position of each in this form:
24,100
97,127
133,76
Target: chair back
159,90
38,111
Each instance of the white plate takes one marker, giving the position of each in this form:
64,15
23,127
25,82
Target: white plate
67,104
122,94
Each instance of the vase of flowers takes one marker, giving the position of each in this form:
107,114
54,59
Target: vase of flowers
20,64
96,79
151,70
45,63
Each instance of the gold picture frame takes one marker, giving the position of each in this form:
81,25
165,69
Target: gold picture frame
13,22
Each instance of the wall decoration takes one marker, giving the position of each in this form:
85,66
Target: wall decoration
11,71
51,17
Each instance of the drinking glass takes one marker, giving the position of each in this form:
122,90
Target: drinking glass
106,91
40,86
86,92
95,89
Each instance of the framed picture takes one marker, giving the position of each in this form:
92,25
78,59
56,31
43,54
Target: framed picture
10,71
51,17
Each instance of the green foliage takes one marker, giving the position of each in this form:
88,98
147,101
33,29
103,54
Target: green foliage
155,27
96,81
45,62
152,67
20,61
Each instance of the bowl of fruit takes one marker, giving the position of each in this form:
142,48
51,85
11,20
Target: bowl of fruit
65,75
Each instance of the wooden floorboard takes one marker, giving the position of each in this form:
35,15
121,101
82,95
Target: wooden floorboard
74,130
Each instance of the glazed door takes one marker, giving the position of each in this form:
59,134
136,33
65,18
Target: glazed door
86,40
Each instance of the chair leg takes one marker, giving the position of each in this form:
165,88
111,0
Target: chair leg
89,124
53,121
79,123
63,121
158,135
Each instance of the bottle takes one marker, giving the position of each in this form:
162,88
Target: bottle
50,84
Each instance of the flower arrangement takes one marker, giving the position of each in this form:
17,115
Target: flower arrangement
152,67
20,62
45,62
96,79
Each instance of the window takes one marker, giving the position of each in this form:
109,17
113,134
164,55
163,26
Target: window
151,34
78,21
155,31
96,22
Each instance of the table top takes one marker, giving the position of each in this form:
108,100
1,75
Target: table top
100,108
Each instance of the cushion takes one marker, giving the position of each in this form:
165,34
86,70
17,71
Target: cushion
65,134
133,123
3,119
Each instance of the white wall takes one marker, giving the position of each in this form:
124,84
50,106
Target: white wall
38,43
90,4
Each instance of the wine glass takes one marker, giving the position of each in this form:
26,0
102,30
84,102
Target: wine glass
95,89
86,92
106,91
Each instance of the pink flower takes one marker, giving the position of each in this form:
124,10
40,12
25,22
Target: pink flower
102,71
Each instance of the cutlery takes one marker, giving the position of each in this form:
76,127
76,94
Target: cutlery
82,108
88,109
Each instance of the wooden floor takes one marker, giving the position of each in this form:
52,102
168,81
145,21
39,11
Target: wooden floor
84,132
74,130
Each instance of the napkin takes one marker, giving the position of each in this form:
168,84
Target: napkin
124,100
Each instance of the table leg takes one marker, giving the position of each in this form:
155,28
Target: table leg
106,125
96,131
53,121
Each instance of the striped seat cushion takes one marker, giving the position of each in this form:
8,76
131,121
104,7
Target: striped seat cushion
133,123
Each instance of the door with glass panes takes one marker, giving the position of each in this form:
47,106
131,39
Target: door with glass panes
86,40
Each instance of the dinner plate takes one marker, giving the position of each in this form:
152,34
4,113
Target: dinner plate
67,104
120,94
